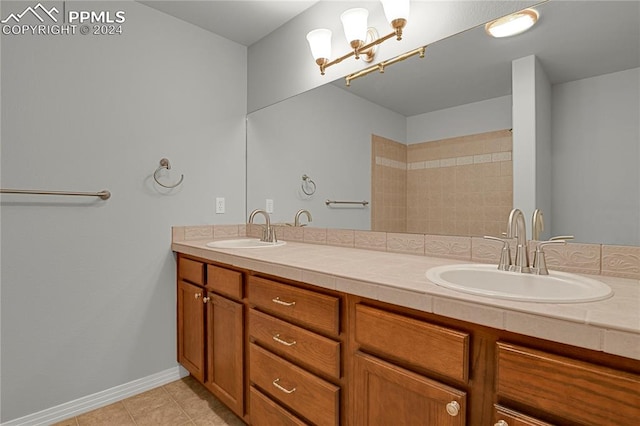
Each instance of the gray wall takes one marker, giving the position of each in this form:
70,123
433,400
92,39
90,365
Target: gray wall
326,134
543,150
596,158
477,117
88,286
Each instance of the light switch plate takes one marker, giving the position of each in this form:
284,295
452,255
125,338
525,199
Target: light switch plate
269,206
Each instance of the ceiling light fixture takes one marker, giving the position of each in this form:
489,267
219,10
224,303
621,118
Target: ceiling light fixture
513,24
363,40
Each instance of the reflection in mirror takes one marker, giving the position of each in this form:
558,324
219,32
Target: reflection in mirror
463,91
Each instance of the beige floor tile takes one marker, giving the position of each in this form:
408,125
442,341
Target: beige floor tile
211,419
68,422
185,388
198,406
114,414
184,402
147,401
231,419
169,414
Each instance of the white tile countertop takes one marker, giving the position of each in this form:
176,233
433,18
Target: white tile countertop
611,325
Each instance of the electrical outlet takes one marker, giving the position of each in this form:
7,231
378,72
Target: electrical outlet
269,206
219,205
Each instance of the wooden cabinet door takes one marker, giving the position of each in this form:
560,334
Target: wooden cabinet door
191,328
225,351
385,394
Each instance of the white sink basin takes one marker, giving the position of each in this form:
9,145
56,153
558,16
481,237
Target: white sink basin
249,243
487,280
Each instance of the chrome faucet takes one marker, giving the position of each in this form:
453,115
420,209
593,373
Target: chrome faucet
517,228
298,214
537,224
268,233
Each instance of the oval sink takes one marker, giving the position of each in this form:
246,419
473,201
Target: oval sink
487,280
244,243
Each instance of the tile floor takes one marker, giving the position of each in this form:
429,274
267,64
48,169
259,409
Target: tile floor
183,402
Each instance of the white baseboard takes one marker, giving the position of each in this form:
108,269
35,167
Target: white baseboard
99,399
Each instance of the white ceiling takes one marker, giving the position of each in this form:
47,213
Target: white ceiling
242,21
573,40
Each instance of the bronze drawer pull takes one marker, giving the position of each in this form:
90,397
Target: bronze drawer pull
283,342
282,302
283,389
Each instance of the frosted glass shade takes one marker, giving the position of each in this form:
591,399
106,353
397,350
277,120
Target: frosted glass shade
513,24
396,9
320,43
354,22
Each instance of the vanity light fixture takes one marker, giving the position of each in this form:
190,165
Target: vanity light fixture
363,40
382,65
513,24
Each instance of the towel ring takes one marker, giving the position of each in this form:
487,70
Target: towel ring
307,183
164,164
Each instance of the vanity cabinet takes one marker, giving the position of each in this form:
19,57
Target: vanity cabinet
191,315
281,352
191,335
225,351
387,390
570,390
211,329
295,354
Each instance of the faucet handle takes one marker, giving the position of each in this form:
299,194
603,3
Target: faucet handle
505,253
539,266
561,237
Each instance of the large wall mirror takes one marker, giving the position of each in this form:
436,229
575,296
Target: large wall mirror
378,140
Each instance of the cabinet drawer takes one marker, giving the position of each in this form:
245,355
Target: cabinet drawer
506,417
305,307
265,412
224,281
574,390
191,270
313,398
295,343
434,348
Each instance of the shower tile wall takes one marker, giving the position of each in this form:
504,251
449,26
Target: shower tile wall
457,186
389,180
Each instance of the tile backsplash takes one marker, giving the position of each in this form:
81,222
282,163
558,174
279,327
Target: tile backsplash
595,259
